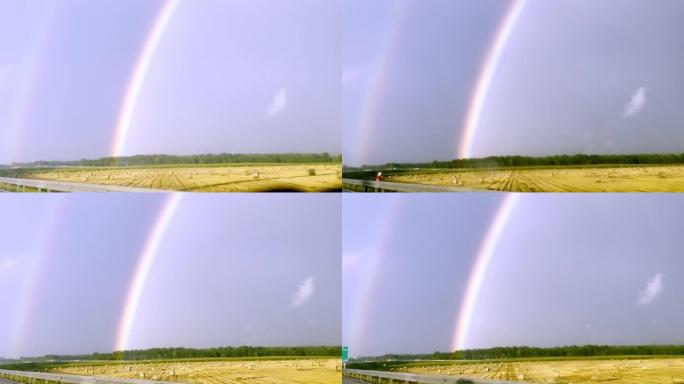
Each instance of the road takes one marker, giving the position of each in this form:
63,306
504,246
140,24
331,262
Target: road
382,186
3,381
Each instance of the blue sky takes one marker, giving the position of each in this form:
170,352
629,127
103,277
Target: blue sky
231,270
567,269
609,86
213,80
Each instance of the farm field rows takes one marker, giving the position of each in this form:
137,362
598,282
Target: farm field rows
598,179
616,371
243,178
304,371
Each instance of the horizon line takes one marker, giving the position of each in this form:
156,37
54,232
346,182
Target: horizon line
528,156
181,347
332,154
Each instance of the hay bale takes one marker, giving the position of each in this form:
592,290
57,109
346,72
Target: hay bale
312,172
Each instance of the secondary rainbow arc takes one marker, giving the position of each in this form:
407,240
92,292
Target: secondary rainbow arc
28,77
47,232
380,69
371,269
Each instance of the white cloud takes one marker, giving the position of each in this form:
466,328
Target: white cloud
636,103
653,289
304,293
278,103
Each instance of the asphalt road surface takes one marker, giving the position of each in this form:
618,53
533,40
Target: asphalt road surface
3,381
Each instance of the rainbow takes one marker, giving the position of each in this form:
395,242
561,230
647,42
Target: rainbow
479,269
139,73
380,71
29,75
47,232
484,79
143,267
369,274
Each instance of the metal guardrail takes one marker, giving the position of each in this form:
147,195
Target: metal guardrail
73,379
401,377
386,186
67,186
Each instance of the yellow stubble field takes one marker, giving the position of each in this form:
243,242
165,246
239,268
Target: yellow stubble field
580,371
598,179
304,371
242,178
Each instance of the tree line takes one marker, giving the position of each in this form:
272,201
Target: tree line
568,351
207,158
516,352
530,161
190,353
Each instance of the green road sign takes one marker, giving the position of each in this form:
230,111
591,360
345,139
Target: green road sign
345,353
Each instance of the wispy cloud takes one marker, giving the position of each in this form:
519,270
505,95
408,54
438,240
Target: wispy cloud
636,103
653,289
278,104
304,293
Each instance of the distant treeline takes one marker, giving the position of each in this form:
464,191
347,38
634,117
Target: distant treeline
209,158
529,161
190,353
570,350
530,352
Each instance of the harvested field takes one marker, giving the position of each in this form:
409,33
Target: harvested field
243,178
304,371
574,179
580,371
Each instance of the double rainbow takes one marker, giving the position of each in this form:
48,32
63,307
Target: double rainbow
479,93
477,100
